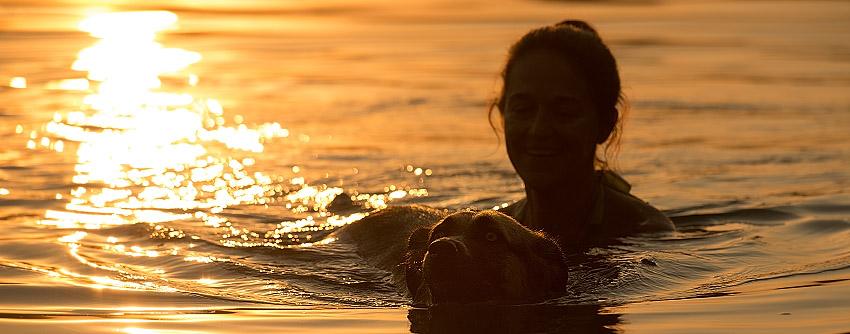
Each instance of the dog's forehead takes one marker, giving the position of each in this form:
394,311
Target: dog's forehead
453,224
461,222
495,218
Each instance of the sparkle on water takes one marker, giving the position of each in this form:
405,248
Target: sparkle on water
148,156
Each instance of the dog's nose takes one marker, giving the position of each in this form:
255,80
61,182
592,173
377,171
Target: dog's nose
443,247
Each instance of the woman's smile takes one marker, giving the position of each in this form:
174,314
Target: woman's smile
542,152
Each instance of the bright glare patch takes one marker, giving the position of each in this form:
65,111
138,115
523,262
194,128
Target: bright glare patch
140,25
106,282
398,194
4,191
204,259
340,221
59,146
18,82
68,84
76,237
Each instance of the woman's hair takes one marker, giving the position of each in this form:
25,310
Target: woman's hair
579,44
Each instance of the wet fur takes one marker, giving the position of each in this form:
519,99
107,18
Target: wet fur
491,257
381,238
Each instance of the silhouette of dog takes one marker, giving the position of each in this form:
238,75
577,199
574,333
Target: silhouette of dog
461,258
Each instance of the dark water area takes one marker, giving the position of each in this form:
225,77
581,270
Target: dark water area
214,212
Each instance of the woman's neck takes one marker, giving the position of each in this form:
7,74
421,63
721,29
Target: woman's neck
564,209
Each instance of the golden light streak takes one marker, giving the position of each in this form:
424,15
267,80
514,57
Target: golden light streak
76,237
68,84
107,282
344,220
204,259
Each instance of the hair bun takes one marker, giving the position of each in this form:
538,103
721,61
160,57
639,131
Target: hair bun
577,25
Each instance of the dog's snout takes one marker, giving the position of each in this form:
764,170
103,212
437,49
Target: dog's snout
443,247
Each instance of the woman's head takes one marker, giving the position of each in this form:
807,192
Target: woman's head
589,60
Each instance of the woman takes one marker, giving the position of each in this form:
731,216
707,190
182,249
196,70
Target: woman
558,104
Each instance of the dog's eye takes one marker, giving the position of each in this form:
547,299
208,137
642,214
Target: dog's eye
491,236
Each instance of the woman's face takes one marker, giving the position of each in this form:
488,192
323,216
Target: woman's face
551,126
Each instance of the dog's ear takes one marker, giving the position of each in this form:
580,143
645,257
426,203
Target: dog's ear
417,245
555,268
418,240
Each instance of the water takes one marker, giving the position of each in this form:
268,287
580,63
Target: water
738,129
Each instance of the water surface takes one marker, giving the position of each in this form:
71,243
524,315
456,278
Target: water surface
210,213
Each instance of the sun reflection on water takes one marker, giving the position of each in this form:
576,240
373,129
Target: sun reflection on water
141,151
144,155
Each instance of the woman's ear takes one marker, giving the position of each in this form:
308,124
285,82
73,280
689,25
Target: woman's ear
607,121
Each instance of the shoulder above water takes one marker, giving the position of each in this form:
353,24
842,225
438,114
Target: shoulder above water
627,215
623,215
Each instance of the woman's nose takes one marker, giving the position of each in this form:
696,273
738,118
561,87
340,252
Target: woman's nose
541,124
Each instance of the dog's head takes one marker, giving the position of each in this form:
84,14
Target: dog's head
483,257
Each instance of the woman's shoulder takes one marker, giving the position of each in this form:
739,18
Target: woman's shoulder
516,209
627,214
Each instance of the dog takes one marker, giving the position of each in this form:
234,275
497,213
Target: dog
467,257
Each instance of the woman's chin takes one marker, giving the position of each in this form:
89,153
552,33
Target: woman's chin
544,181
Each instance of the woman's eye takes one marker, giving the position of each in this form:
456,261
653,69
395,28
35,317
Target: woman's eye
518,111
566,111
520,108
491,236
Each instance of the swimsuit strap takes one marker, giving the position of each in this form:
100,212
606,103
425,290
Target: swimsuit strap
614,181
607,179
598,208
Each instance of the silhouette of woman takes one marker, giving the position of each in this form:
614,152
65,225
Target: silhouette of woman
559,103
